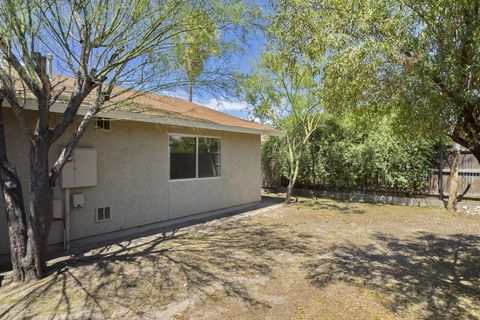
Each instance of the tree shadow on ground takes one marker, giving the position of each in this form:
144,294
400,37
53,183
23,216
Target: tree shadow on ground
267,201
140,277
441,275
338,206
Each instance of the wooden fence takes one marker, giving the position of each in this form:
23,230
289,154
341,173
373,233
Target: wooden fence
468,175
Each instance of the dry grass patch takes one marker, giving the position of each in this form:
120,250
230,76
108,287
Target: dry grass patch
316,259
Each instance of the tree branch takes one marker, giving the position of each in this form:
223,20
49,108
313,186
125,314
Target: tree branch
9,92
75,137
25,76
82,89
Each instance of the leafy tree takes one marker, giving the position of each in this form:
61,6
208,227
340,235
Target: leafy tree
416,60
341,155
102,44
200,42
214,38
283,91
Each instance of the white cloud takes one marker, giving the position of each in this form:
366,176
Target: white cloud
224,105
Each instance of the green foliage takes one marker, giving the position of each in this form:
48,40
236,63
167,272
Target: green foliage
342,156
417,61
284,92
213,33
198,43
283,89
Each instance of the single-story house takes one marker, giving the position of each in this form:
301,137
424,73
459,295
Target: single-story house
154,161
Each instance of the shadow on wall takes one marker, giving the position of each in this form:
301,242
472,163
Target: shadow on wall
442,274
142,276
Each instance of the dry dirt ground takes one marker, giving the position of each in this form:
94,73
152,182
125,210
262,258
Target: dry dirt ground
316,259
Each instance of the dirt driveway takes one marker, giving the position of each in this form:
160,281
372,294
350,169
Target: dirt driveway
311,260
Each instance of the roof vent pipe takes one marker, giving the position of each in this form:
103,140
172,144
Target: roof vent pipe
49,63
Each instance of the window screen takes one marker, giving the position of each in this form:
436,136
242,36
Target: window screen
182,157
208,157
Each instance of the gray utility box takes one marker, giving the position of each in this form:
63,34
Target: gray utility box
81,169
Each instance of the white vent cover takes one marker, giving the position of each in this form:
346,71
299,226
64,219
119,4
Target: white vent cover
78,200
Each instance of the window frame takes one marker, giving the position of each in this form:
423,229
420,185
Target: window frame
196,136
104,120
103,220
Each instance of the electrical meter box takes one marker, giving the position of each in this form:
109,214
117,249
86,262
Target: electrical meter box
80,169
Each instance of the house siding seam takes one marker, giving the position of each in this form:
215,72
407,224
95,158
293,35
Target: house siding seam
133,177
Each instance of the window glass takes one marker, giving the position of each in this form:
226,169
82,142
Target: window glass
103,124
182,157
99,214
107,213
208,157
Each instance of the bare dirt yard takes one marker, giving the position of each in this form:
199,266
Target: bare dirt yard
315,259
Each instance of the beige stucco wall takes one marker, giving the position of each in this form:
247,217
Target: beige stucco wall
133,177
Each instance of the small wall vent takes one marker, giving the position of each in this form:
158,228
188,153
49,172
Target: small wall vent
103,124
103,214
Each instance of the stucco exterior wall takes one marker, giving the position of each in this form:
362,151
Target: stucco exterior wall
133,177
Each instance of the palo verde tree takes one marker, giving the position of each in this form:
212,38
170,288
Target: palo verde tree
101,44
417,60
284,90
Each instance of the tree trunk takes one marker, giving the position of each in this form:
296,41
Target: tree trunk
288,197
28,241
20,252
41,203
291,183
313,178
452,198
16,222
190,91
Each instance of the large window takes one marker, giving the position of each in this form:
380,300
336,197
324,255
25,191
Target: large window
208,157
183,157
194,157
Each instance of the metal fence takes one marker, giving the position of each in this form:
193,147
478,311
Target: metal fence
468,175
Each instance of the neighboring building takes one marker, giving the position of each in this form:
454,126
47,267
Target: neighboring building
158,161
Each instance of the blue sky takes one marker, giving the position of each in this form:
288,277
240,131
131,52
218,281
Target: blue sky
240,62
243,63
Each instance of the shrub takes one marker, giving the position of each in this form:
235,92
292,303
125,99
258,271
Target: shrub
341,156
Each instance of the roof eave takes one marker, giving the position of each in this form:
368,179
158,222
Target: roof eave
174,121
